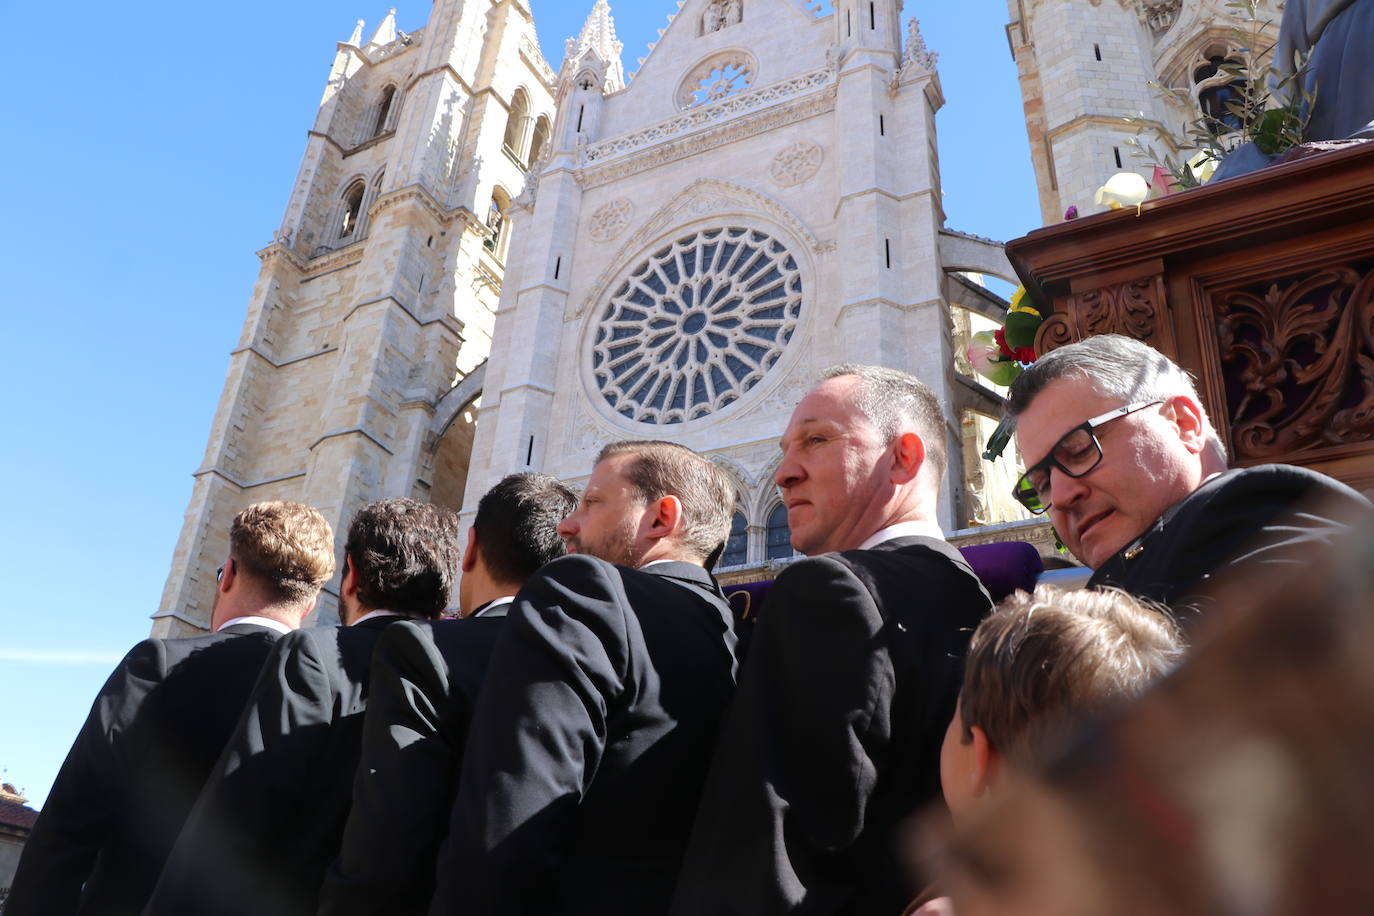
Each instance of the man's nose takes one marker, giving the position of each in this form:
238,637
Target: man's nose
789,473
567,527
1065,490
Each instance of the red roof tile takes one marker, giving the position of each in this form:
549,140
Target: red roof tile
16,815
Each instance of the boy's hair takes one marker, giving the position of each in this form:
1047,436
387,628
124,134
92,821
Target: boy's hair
1041,660
288,546
406,555
517,525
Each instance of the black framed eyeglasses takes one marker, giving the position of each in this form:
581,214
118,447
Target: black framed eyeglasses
1076,453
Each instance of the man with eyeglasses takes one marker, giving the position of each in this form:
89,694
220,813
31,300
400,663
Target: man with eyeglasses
1120,452
161,720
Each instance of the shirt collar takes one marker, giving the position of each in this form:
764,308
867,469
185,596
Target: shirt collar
371,614
267,622
493,604
917,527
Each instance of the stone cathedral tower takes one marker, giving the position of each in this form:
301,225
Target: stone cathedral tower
1086,64
378,291
760,201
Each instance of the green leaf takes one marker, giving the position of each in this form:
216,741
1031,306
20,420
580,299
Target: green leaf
1021,328
997,442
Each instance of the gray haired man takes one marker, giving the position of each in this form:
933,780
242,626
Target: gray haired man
1121,453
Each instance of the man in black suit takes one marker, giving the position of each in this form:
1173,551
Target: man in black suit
268,822
1120,451
161,720
425,681
595,727
833,740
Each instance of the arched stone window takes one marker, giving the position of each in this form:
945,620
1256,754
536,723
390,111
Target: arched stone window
516,123
779,540
1215,87
737,547
496,222
539,140
384,106
696,325
352,210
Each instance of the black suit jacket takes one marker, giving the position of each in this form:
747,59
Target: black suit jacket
134,771
268,822
833,740
425,680
1238,523
590,743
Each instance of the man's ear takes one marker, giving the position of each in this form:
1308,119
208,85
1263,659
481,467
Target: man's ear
470,554
349,585
987,762
1186,414
226,580
663,517
908,454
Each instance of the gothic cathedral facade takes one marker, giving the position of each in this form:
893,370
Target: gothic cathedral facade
488,266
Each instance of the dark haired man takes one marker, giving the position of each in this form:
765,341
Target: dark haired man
425,680
854,668
161,720
596,723
268,823
1120,451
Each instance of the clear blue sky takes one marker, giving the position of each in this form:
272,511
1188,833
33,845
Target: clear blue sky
149,150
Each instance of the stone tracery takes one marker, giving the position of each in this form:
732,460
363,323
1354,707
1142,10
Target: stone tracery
696,325
720,77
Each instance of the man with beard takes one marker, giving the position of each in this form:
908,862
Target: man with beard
600,710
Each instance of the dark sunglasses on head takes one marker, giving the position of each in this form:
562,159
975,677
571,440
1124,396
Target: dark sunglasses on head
1076,453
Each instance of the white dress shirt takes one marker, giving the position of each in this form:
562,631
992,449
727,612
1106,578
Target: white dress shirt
903,530
268,622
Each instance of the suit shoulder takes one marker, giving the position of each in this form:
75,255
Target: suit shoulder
575,565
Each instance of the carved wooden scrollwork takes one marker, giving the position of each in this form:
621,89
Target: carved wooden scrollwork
1134,308
1298,362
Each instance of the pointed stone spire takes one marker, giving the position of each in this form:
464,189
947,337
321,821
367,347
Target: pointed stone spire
356,39
917,58
386,32
598,36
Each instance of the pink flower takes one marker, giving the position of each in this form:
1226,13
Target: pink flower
1071,213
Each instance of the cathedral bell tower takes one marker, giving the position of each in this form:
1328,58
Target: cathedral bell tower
361,355
1085,65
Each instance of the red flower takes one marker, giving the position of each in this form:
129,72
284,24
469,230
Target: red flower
1025,354
1000,335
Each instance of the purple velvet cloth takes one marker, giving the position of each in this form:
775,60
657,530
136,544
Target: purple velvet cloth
1004,568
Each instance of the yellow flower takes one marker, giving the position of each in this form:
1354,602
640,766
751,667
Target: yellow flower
1019,303
1203,165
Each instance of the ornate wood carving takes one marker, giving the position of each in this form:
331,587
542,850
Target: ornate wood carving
1297,360
1135,308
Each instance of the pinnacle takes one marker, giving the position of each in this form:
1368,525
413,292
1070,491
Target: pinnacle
598,35
386,32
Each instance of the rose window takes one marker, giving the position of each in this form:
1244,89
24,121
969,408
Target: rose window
719,78
696,325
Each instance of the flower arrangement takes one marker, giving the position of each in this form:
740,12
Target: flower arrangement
1001,355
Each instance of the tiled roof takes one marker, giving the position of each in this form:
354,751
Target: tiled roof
16,815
